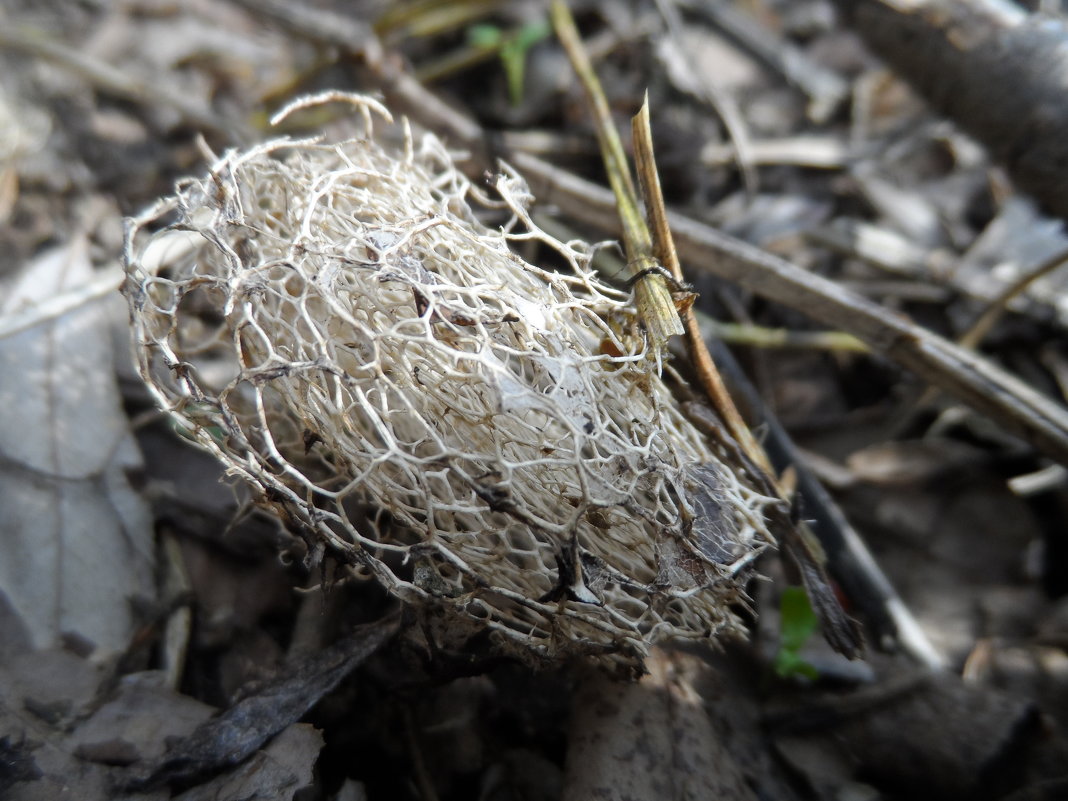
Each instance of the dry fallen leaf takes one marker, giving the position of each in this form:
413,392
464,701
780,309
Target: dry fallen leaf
78,541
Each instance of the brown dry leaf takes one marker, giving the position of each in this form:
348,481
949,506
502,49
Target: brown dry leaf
78,540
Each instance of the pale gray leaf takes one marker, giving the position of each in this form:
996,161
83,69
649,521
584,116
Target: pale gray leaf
77,539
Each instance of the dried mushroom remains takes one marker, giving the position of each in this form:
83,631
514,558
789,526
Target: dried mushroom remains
487,438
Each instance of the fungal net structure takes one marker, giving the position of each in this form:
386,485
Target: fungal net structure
488,439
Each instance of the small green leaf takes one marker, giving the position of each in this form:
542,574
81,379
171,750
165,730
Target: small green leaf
484,36
512,48
532,33
798,623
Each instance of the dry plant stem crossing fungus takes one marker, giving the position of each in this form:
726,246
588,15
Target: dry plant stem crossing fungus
489,439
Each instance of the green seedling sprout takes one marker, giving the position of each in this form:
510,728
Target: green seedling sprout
798,622
512,48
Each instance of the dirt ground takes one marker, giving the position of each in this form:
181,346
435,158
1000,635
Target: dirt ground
165,633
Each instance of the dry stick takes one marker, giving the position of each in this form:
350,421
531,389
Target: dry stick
796,539
993,312
664,250
756,336
722,103
965,375
971,338
107,78
235,734
408,20
857,570
654,301
357,38
824,88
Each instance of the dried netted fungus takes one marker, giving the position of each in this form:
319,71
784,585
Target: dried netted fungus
489,439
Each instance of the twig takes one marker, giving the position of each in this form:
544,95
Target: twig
881,247
664,250
760,337
849,559
814,152
404,20
107,78
996,309
967,376
358,39
824,88
231,737
651,291
1042,480
797,541
456,61
993,312
174,645
722,103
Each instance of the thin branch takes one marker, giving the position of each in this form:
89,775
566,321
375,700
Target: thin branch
104,77
651,291
969,377
796,539
721,102
994,312
358,39
664,250
756,336
848,557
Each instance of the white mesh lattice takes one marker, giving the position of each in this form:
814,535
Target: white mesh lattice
482,435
